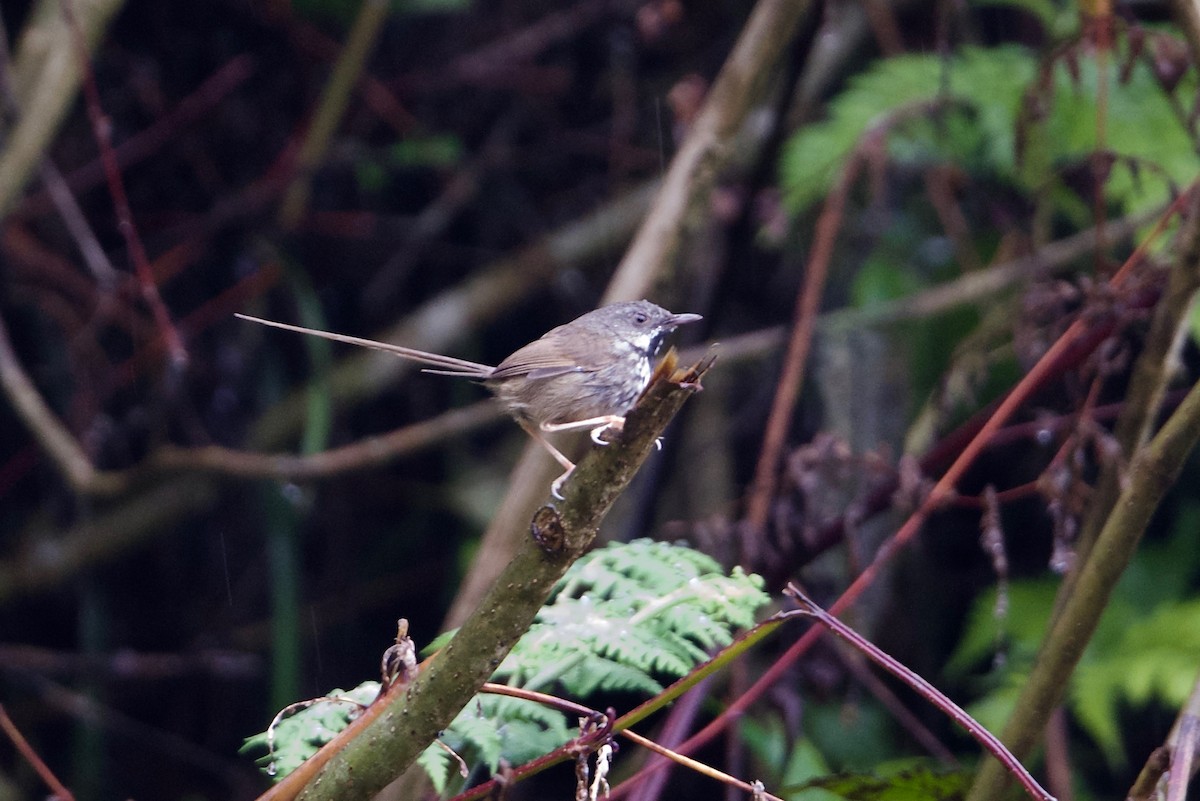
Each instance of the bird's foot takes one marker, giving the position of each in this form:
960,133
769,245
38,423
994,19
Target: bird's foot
556,485
614,423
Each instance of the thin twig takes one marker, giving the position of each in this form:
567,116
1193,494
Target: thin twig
764,485
915,728
332,106
1150,376
673,731
1182,758
362,454
56,187
107,277
1076,336
697,766
738,87
461,189
978,286
683,686
1083,595
933,695
1153,470
47,73
795,362
26,750
102,130
54,438
139,146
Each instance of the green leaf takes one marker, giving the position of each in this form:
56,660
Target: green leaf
916,784
1135,108
1018,631
429,151
880,280
627,614
343,12
980,94
1144,650
1153,660
988,83
301,734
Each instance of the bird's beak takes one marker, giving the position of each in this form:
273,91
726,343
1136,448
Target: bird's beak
681,319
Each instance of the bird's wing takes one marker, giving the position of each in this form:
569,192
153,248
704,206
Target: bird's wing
542,358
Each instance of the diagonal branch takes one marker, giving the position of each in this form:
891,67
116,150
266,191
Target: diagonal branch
51,434
741,84
334,100
1152,472
384,745
47,71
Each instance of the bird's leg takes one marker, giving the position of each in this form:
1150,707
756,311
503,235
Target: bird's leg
598,425
556,485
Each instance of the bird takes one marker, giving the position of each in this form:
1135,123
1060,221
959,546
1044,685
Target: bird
585,374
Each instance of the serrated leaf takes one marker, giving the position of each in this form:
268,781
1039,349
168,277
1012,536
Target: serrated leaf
988,82
437,764
301,734
1154,659
1133,107
652,607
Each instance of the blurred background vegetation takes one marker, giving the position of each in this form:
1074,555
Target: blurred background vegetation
462,176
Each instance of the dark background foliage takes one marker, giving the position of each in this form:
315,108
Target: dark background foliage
144,635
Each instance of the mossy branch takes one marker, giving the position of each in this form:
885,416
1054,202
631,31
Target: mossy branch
392,739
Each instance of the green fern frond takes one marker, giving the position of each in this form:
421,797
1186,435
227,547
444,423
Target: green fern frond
437,763
623,617
981,92
300,735
1154,659
653,607
987,81
1143,651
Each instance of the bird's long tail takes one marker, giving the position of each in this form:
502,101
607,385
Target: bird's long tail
448,364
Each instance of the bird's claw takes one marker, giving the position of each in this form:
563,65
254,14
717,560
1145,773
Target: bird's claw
614,424
556,485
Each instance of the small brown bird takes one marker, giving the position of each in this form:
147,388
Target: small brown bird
585,374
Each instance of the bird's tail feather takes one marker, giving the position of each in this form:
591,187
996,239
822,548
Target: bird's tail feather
449,364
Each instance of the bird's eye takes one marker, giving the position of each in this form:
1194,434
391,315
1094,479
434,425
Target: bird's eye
640,318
